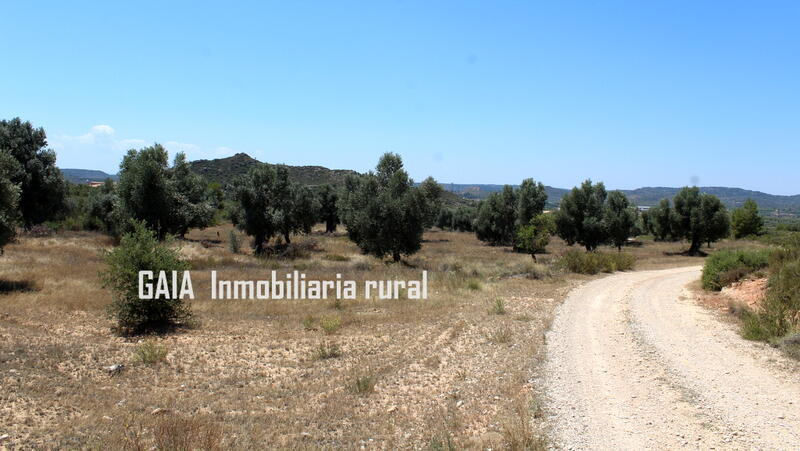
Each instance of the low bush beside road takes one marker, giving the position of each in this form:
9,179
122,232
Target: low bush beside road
779,316
724,267
580,262
776,319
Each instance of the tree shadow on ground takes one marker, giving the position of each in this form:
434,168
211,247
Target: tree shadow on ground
11,286
686,254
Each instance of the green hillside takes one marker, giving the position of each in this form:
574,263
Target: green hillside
224,170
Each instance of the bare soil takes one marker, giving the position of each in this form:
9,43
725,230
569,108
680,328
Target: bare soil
400,374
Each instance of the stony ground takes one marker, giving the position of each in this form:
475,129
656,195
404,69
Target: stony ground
455,371
404,374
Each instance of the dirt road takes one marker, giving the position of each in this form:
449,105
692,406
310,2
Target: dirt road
634,363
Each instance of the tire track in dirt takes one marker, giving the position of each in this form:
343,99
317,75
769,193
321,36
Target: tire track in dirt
634,363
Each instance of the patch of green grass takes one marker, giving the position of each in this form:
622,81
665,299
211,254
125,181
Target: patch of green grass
778,318
150,352
330,324
327,351
474,285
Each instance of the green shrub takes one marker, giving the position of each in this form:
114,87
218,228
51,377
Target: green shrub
779,315
140,250
328,351
234,242
577,261
474,285
308,322
330,324
150,352
781,308
724,267
755,328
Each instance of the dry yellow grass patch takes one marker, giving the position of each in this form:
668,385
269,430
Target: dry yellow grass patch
391,374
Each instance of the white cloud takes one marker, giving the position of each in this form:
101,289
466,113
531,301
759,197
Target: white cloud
101,148
102,130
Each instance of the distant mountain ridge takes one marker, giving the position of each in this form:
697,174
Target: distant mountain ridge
79,176
649,196
225,170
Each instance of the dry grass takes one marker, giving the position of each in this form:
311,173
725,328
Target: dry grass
258,372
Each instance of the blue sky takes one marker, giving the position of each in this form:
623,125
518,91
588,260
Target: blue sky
630,93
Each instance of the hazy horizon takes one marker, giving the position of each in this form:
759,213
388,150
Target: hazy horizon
419,179
666,94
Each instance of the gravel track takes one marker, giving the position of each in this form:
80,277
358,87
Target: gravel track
634,363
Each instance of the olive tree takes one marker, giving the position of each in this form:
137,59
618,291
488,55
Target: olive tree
192,201
503,214
303,212
102,209
9,198
534,237
267,204
531,199
383,212
580,217
328,212
464,218
445,219
699,218
170,200
42,189
715,217
432,192
746,221
660,221
496,222
620,218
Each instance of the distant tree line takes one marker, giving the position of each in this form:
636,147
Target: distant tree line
384,212
694,216
461,218
590,216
